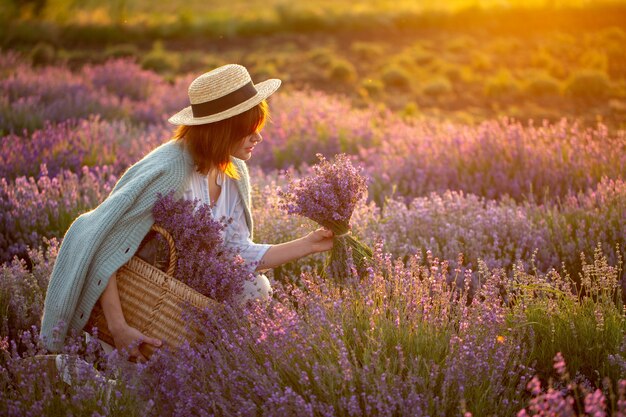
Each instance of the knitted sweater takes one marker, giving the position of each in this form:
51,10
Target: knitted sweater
99,242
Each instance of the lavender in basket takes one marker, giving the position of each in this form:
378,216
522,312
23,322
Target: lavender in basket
204,263
329,197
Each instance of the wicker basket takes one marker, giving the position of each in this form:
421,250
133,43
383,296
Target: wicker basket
152,301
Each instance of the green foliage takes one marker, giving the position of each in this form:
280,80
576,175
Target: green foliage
502,46
437,86
616,66
95,36
266,70
588,85
584,322
501,86
613,34
193,61
452,72
411,109
396,77
122,50
159,60
595,60
428,48
542,85
77,58
42,54
342,70
480,62
367,50
322,56
543,59
8,11
460,44
421,56
301,17
374,87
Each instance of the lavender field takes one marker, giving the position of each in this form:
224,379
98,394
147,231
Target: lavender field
496,286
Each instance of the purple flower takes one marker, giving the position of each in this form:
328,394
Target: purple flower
595,404
204,263
329,197
559,365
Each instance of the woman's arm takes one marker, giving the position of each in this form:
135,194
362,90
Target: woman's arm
318,241
123,335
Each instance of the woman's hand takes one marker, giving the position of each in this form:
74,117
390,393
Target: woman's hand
125,337
129,339
320,240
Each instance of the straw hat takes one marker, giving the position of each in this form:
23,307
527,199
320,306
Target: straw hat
222,93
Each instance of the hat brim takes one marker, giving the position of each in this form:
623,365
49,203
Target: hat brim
264,90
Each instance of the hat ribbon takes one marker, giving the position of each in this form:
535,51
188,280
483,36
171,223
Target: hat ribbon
225,102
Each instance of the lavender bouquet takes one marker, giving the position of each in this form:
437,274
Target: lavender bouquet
204,263
329,197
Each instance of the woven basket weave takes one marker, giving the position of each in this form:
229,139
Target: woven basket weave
152,301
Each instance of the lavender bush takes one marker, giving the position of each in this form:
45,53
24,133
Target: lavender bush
23,289
56,93
586,219
536,161
496,208
90,384
59,94
401,342
570,395
307,123
494,159
524,160
500,233
72,144
504,232
45,207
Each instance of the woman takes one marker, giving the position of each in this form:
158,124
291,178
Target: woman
205,161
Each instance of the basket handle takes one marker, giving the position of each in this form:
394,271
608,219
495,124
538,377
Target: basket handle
170,241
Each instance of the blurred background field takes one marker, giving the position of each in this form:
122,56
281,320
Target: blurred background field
458,60
493,137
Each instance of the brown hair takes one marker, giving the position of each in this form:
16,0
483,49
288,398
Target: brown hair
211,144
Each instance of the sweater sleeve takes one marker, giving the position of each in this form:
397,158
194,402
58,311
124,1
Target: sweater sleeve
77,249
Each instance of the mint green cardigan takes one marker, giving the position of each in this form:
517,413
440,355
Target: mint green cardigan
100,241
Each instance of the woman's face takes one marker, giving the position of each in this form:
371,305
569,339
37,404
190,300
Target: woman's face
245,148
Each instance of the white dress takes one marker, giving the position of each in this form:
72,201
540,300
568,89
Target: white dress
236,234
